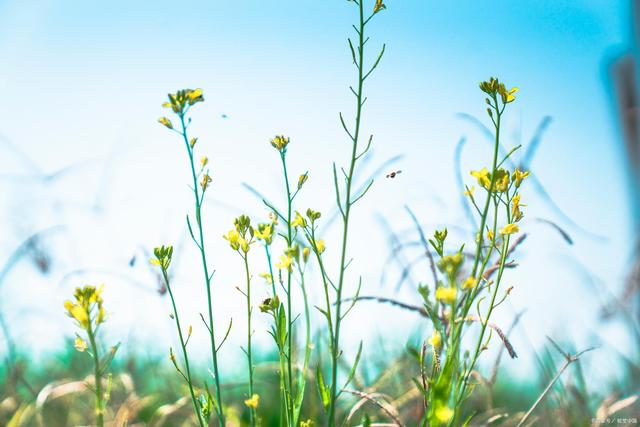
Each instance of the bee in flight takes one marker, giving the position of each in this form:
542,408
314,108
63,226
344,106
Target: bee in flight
393,174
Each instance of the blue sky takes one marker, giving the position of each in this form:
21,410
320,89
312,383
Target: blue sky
82,84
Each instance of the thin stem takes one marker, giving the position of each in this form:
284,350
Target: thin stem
207,277
184,348
252,411
96,373
347,211
289,392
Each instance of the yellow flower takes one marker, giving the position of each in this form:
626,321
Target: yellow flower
181,99
510,229
518,176
194,96
253,401
378,6
80,344
264,232
469,191
165,122
244,244
206,180
516,213
299,221
163,256
233,237
308,423
267,277
446,295
286,263
490,235
501,181
305,254
436,340
443,413
192,142
483,176
302,179
320,247
280,142
469,283
507,95
451,263
204,160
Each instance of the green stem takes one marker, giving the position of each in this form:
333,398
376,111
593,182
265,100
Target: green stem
184,349
289,392
207,277
252,411
96,373
347,210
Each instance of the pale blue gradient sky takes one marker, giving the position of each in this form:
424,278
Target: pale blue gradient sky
82,83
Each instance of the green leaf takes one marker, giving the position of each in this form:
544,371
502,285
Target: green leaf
325,393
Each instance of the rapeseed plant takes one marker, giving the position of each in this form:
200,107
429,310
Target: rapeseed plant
460,288
88,312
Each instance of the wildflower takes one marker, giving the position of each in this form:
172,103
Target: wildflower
305,254
443,413
446,295
308,423
163,256
507,95
267,277
192,142
510,229
313,215
233,237
490,87
179,101
469,191
87,300
302,179
206,180
286,263
264,232
451,263
469,283
436,340
253,401
490,235
165,122
280,142
516,213
320,247
501,180
80,344
299,221
518,176
483,176
204,160
378,6
438,244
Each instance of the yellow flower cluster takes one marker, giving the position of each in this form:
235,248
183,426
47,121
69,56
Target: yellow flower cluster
446,295
162,256
493,87
280,142
241,236
179,103
87,300
500,181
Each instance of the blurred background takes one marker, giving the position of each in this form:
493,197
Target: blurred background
90,182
